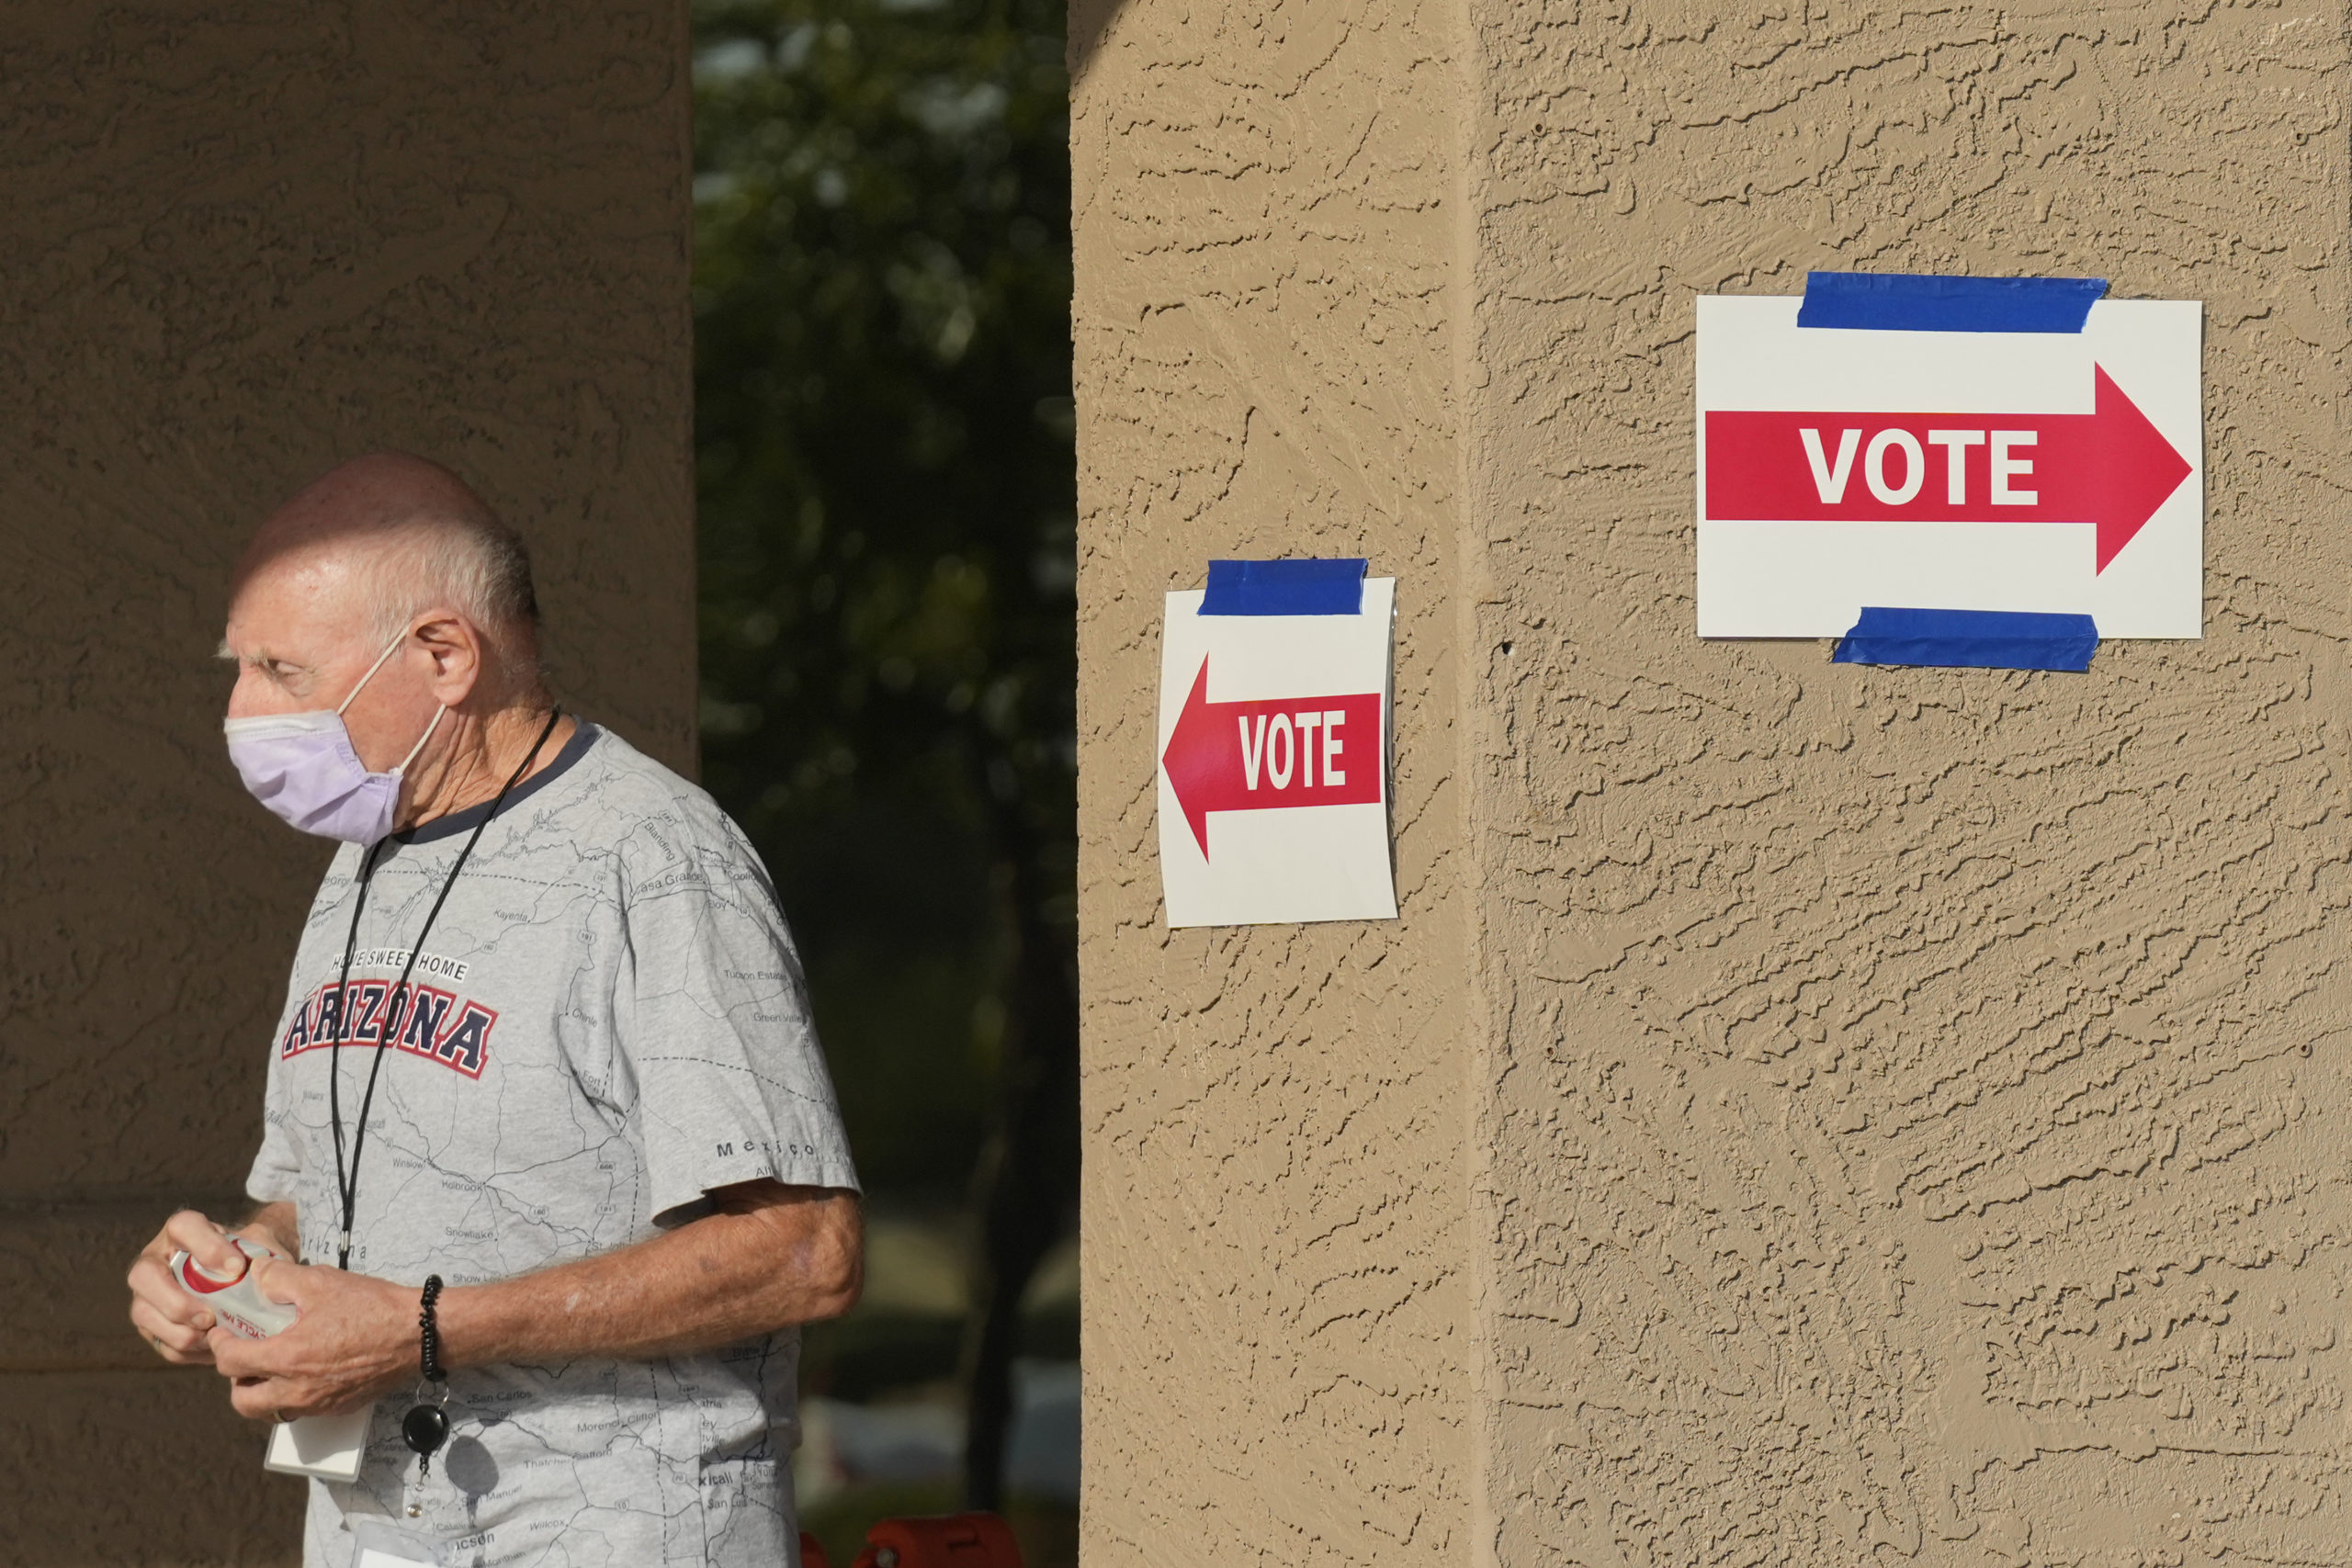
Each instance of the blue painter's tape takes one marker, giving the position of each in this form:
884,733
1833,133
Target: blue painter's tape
1920,302
1976,639
1285,587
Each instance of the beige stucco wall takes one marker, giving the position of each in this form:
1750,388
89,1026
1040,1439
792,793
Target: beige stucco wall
240,244
1277,1274
1807,1114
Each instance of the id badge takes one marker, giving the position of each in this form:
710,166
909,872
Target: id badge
376,1557
383,1544
328,1446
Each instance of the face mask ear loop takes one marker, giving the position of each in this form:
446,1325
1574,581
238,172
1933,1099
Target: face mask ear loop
402,769
372,675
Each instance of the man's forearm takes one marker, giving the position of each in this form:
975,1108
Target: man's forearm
746,1270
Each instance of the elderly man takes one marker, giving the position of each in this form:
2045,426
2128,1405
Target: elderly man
545,1110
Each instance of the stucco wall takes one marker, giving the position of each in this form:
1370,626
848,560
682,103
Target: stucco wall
1808,1114
1276,1277
1922,1134
241,243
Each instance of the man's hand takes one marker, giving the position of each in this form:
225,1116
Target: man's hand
167,1316
769,1256
354,1342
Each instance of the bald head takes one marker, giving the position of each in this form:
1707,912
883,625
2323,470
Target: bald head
390,535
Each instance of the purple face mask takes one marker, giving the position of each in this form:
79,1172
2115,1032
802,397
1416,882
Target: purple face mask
301,766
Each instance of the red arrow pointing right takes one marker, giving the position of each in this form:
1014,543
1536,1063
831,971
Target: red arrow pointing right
1271,753
2109,468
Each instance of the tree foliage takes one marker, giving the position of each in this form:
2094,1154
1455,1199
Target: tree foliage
887,499
882,298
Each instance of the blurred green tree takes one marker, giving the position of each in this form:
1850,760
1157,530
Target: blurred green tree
887,491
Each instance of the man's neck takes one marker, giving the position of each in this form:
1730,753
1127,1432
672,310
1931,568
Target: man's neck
484,752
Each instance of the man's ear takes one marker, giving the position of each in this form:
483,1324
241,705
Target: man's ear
457,654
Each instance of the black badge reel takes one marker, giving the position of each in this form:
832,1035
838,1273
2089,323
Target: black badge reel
426,1425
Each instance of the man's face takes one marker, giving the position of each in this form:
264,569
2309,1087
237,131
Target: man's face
295,633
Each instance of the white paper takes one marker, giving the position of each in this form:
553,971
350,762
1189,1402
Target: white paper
328,1446
373,1557
1286,863
385,1543
1811,578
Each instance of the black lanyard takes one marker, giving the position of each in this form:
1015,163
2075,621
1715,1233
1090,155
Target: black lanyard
347,1187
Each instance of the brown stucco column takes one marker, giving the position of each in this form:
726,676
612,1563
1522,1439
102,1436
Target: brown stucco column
1806,1113
1277,1225
241,243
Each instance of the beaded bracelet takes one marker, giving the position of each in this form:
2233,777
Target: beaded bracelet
428,1350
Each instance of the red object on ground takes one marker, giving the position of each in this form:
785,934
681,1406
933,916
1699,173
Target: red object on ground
944,1540
812,1552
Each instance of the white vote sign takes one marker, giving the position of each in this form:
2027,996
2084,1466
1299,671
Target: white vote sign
1274,764
1950,470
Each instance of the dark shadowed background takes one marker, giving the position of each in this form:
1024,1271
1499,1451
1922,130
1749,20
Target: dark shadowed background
882,282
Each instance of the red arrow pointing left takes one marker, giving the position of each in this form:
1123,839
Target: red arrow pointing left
2109,468
1271,753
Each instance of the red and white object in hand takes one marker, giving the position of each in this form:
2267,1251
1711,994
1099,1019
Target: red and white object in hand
327,1446
236,1300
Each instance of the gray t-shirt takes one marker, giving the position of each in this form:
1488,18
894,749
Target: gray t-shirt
609,1021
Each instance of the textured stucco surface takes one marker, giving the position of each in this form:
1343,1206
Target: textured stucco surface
1274,1246
1807,1114
1919,1098
242,244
